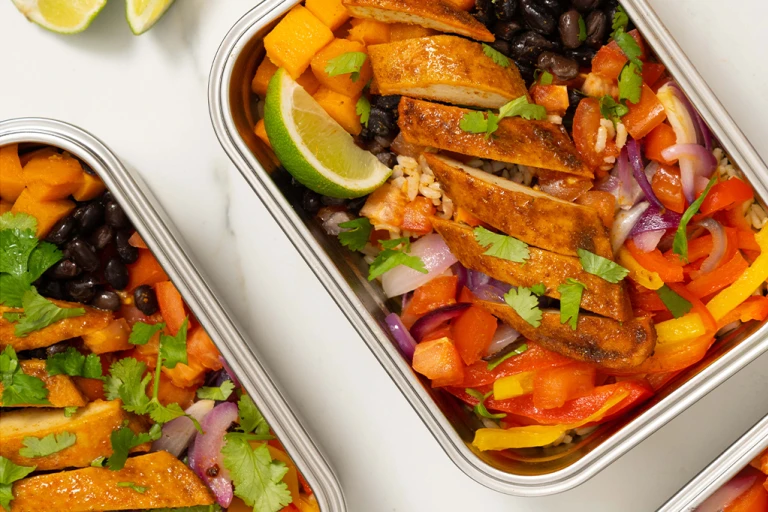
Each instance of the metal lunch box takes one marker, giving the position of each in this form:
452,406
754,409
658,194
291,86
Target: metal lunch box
232,110
165,242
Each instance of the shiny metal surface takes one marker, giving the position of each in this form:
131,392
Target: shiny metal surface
167,246
342,273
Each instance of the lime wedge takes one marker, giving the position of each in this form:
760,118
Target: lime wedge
61,16
313,147
142,14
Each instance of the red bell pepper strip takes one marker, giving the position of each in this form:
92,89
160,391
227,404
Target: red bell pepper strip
754,308
746,241
535,358
725,194
714,281
553,387
654,261
171,305
439,292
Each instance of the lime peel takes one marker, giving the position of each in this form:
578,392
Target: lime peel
61,16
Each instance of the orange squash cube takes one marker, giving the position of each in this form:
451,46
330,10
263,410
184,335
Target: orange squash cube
261,132
11,178
463,5
309,82
53,177
42,153
340,107
264,74
90,188
296,39
342,84
330,12
400,31
369,31
112,338
47,213
5,207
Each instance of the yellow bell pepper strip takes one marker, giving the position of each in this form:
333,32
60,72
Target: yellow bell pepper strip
513,385
638,273
686,327
730,298
538,435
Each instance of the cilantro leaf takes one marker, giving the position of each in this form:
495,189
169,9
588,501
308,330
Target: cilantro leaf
12,289
10,473
127,382
257,478
164,413
390,258
98,462
676,304
19,388
630,83
220,393
680,243
70,411
39,313
620,19
141,333
477,122
15,247
525,304
347,63
496,56
539,289
138,488
480,408
570,301
124,440
42,447
74,364
543,77
582,29
601,267
502,246
512,353
20,221
356,233
173,349
521,108
612,110
630,48
43,257
251,419
363,109
9,365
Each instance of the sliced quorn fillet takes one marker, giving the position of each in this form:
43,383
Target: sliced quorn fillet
164,482
444,68
597,340
544,267
437,14
93,320
62,391
92,426
517,140
534,217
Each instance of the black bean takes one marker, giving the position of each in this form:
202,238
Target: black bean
52,289
145,299
365,134
354,205
105,197
296,183
115,215
388,158
63,270
562,67
37,353
569,28
505,9
506,29
106,300
484,12
585,5
62,230
527,46
310,202
556,6
583,55
332,201
538,17
127,252
83,255
501,46
89,217
102,237
386,102
82,289
597,28
381,122
527,71
116,274
57,348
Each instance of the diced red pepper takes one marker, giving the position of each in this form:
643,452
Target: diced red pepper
535,358
439,292
439,360
654,261
657,140
725,194
668,188
652,71
610,60
723,276
603,202
473,332
553,387
645,115
417,215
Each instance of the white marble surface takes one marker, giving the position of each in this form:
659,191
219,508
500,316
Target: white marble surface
146,98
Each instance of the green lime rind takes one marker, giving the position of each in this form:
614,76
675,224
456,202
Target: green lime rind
30,9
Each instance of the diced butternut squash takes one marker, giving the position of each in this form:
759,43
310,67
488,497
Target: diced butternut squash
400,31
44,152
261,132
330,12
92,425
296,39
262,77
369,31
47,213
62,391
340,107
343,84
11,177
112,338
463,5
167,483
201,348
170,393
5,206
54,177
308,81
186,375
90,188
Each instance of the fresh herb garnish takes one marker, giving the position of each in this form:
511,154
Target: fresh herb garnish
124,440
257,477
253,426
496,56
476,121
98,462
141,333
220,393
390,257
74,364
39,313
356,233
44,446
10,473
18,387
521,108
612,110
620,20
479,122
138,488
501,246
601,267
582,29
570,301
676,304
525,304
512,353
630,83
680,243
347,63
70,411
173,349
539,289
480,408
363,109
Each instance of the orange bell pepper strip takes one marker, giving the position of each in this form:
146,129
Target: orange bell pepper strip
472,333
439,292
672,357
714,281
553,387
698,307
439,361
746,241
754,308
654,261
725,194
734,217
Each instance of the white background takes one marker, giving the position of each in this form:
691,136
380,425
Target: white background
146,97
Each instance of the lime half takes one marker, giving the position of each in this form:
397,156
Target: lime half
313,147
142,14
61,16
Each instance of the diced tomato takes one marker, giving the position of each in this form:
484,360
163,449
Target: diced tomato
136,241
554,98
725,194
657,140
201,348
170,393
473,332
535,358
439,292
645,115
669,271
603,202
668,188
439,360
652,71
417,214
586,123
467,296
610,60
553,387
146,270
723,276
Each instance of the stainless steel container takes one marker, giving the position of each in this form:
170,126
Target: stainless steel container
155,228
342,273
722,469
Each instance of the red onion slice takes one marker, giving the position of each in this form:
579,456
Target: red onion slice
654,219
638,171
434,319
724,496
695,160
437,259
229,371
648,240
179,432
703,133
719,244
403,338
504,336
625,221
489,292
205,457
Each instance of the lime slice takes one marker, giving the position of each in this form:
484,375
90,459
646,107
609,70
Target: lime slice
61,16
142,14
313,147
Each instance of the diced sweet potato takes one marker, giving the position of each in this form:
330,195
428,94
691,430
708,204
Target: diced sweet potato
201,347
5,207
93,320
47,213
463,5
43,152
53,177
170,393
340,107
167,481
264,74
552,97
308,81
186,375
343,84
90,188
261,132
296,39
112,338
62,391
369,31
92,425
401,31
330,12
11,177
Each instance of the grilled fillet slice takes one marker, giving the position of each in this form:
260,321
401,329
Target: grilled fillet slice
444,68
92,425
93,320
62,391
603,341
437,14
517,140
534,217
545,267
168,483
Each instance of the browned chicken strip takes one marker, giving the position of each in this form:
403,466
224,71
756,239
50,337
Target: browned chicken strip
436,14
62,391
444,68
544,267
597,340
517,140
535,218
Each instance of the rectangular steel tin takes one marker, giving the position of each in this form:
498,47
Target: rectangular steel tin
342,274
155,228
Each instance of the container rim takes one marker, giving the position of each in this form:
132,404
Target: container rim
167,245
